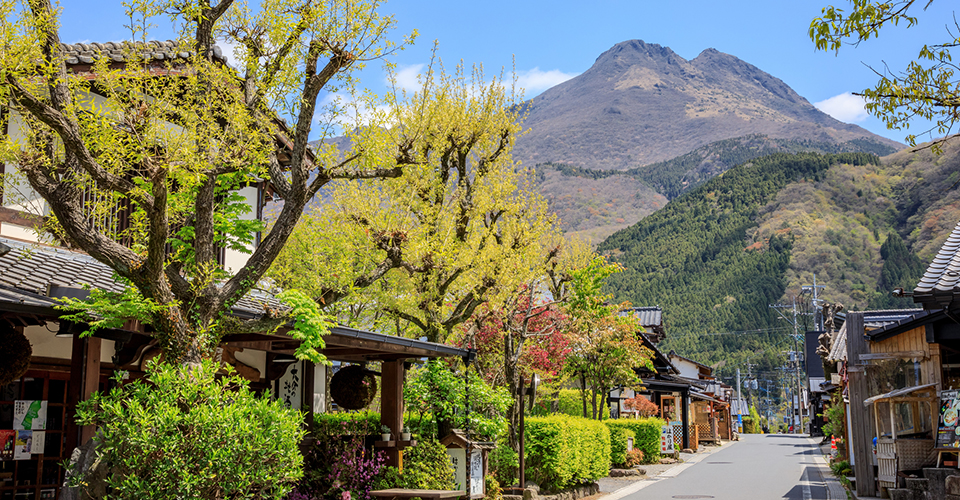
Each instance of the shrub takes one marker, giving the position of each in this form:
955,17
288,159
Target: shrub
189,434
749,426
646,435
338,462
336,424
504,463
634,458
388,478
438,395
426,466
618,444
494,491
841,468
563,451
571,404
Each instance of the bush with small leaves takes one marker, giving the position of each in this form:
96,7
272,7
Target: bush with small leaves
185,432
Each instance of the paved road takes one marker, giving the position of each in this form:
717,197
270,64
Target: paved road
758,467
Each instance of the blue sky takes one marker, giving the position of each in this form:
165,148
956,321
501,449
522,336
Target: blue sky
555,41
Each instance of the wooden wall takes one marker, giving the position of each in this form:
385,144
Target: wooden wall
911,344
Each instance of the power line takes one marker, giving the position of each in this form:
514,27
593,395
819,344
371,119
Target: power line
740,332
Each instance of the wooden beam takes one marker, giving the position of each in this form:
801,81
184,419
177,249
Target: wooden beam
862,426
892,355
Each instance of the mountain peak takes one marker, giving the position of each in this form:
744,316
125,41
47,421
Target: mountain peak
631,52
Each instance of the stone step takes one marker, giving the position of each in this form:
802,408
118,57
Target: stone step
900,494
938,480
918,484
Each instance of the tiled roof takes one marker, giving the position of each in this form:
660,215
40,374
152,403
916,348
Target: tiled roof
939,284
648,316
879,319
154,50
35,269
838,351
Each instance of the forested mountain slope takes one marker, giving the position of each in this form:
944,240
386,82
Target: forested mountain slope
718,255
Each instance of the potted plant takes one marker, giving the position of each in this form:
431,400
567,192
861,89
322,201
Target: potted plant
405,434
385,432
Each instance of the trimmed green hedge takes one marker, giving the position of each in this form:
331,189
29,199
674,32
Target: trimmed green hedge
571,404
647,435
618,444
564,451
365,422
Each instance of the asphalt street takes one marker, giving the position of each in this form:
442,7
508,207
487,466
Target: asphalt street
758,467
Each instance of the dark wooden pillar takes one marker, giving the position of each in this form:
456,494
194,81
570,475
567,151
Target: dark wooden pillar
391,403
84,381
862,426
685,417
309,390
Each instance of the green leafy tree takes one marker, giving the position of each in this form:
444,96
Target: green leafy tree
927,88
605,346
173,140
440,397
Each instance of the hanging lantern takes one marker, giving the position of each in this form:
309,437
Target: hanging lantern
353,387
15,352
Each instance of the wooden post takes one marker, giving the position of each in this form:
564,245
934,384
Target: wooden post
309,390
391,403
84,381
862,429
685,418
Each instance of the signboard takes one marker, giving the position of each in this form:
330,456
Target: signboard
459,462
476,473
947,427
666,439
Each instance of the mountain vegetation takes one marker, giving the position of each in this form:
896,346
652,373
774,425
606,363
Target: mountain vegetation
716,257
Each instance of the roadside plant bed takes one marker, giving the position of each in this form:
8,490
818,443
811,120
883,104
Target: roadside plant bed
572,493
646,435
564,451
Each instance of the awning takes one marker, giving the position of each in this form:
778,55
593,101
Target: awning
896,393
703,397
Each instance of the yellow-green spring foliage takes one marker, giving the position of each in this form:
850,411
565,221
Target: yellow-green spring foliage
646,435
564,451
618,444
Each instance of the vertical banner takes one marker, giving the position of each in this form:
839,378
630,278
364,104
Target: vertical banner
458,459
666,439
476,473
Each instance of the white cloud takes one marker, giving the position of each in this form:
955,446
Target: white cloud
845,107
408,77
532,81
535,80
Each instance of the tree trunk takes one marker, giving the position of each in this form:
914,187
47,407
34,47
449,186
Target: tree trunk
583,392
593,402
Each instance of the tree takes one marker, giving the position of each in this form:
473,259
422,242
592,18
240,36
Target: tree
173,140
470,228
927,88
605,346
524,336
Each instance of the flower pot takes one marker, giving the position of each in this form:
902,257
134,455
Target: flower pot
405,436
386,437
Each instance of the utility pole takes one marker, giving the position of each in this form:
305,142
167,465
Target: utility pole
794,403
739,405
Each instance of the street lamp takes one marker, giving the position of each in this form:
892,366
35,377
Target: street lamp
532,392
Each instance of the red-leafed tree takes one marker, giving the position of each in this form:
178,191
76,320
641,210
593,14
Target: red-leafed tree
525,336
641,405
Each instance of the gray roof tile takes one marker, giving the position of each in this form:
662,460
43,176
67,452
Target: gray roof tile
939,285
158,50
